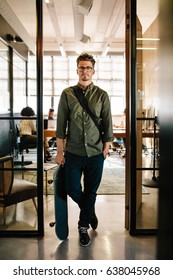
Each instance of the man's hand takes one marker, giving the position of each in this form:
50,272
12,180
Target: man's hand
106,146
59,159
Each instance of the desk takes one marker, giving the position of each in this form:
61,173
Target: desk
49,133
150,134
121,133
118,133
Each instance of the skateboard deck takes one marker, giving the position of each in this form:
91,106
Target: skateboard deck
61,207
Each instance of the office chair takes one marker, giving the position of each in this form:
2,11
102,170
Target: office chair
23,145
12,190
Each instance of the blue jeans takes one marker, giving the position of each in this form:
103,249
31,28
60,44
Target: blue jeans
85,197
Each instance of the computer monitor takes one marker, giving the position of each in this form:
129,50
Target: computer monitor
51,124
45,123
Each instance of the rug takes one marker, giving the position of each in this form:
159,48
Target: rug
113,179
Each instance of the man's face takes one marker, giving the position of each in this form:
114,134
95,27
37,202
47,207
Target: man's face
85,70
51,114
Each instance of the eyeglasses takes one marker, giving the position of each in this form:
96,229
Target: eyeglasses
82,68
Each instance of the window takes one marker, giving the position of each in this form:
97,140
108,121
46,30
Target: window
4,78
19,82
60,72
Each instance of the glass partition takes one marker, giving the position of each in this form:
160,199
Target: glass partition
19,185
147,115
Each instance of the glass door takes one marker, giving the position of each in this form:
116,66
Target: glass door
21,162
144,116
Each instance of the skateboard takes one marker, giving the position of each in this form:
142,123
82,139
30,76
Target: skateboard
60,204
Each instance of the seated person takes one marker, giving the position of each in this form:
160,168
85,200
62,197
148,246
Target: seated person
51,114
27,128
51,117
49,140
120,143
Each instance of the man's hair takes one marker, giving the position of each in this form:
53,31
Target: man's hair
85,57
51,110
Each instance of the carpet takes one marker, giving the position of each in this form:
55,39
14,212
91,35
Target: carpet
113,179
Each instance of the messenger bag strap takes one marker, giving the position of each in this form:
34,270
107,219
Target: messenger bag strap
83,102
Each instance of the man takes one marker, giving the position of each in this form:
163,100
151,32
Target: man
51,114
52,140
27,128
81,148
47,139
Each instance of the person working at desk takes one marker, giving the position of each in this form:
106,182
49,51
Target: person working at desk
120,143
27,128
86,148
48,140
51,114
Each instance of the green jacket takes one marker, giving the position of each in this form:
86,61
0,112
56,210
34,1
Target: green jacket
74,124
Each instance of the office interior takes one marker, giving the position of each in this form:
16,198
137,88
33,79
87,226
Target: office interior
39,45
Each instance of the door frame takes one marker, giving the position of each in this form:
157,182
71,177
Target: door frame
131,123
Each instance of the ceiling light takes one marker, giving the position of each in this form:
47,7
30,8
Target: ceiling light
62,51
147,39
104,53
146,48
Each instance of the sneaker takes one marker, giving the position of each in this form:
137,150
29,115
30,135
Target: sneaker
83,236
94,221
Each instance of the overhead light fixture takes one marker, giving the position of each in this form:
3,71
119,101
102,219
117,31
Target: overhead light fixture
85,7
104,53
79,19
13,38
62,51
146,48
85,39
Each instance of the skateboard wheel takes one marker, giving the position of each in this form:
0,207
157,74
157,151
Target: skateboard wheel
52,224
50,181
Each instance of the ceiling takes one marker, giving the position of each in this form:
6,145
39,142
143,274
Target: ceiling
74,25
